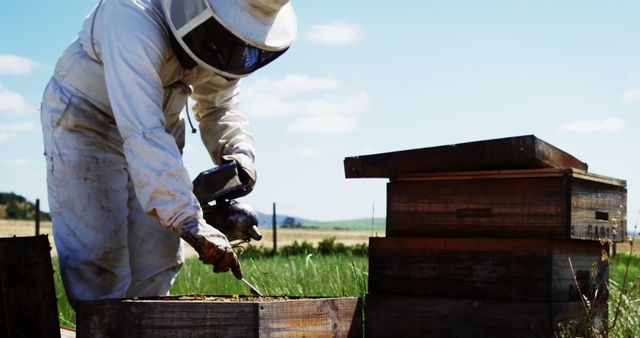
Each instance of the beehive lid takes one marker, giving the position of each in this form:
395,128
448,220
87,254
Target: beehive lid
520,152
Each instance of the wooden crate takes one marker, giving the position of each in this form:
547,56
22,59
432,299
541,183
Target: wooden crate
520,152
170,317
419,316
534,203
488,268
27,293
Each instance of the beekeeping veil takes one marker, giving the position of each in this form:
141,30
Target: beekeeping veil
232,37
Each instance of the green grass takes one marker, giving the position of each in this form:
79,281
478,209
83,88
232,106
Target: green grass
66,315
311,275
626,301
351,224
617,266
335,275
345,275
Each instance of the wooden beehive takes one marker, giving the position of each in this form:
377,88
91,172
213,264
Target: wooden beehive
405,316
496,238
176,317
488,268
526,203
27,292
521,152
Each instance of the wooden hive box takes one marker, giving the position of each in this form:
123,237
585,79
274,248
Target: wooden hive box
198,317
520,152
27,291
420,316
480,236
518,187
536,270
533,203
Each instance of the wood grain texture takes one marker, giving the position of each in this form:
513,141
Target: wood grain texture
122,318
521,152
545,203
411,316
321,317
598,210
486,268
490,208
335,317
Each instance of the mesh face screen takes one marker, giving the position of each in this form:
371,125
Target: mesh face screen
213,44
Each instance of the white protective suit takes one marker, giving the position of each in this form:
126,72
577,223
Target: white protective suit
113,138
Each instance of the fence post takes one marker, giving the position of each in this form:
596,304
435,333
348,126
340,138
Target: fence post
37,216
275,233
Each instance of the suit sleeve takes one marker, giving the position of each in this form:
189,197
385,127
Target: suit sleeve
222,128
133,50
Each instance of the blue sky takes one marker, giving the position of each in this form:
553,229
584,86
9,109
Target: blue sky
367,77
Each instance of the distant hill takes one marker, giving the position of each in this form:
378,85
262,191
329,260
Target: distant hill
14,206
282,220
287,221
351,224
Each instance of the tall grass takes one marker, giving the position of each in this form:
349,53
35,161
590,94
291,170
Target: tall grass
331,275
294,276
66,315
624,296
346,275
627,324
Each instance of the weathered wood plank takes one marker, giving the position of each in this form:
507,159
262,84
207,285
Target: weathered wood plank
590,268
318,317
522,152
28,305
155,318
598,210
491,208
485,268
545,203
411,316
337,317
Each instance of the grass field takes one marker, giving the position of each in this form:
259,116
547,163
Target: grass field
341,275
337,275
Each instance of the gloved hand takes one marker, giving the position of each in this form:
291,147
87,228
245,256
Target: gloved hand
212,246
246,170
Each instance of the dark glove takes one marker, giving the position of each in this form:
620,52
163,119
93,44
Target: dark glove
212,246
246,170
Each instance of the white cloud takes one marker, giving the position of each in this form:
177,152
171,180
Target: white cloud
18,127
632,96
329,124
593,126
10,130
317,150
334,33
291,85
318,105
309,152
5,135
269,98
15,162
332,104
15,65
12,103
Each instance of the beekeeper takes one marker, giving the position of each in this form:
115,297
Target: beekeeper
119,194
